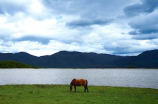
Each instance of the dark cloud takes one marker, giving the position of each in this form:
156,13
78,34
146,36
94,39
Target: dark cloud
9,7
4,37
144,31
66,7
133,32
145,7
128,52
87,9
7,38
145,37
85,23
86,13
145,25
34,39
125,47
5,34
121,50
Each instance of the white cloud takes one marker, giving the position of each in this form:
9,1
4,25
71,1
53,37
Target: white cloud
36,6
43,27
31,26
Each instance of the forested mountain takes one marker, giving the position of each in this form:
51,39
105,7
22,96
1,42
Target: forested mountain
65,59
147,59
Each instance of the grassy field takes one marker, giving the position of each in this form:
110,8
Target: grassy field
60,94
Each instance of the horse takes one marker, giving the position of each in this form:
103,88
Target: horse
79,82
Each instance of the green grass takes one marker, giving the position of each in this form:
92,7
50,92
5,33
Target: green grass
60,94
14,64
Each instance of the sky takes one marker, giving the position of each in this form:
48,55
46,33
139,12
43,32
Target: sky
44,27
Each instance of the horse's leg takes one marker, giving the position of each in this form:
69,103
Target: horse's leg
84,88
87,88
75,87
87,85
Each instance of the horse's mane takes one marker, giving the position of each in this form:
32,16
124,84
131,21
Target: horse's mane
72,81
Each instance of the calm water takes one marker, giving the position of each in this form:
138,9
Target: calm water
103,77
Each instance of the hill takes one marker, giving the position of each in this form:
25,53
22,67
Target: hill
147,59
14,64
65,59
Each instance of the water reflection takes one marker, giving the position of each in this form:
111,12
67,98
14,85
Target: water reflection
103,77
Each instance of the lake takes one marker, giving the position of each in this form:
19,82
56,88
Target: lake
144,78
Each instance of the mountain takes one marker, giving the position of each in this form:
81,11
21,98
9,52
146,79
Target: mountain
147,59
22,57
65,59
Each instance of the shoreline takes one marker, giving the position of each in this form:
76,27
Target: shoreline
80,68
69,85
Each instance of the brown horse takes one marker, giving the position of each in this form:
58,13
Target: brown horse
79,82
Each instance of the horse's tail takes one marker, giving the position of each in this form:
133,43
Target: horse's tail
87,86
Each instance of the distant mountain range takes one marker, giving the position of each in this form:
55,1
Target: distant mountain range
65,59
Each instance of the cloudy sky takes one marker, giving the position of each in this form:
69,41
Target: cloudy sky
43,27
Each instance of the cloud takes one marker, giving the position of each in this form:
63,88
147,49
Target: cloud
143,19
144,7
12,7
43,27
42,40
26,29
129,47
85,12
145,25
16,9
151,36
85,23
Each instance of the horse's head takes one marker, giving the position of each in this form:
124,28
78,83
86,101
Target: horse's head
72,83
70,88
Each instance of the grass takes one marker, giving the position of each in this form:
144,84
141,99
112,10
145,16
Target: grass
60,94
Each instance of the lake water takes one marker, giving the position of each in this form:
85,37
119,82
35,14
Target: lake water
144,78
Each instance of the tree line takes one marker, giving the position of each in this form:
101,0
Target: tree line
14,64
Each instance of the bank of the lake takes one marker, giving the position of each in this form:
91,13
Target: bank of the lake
60,94
14,64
